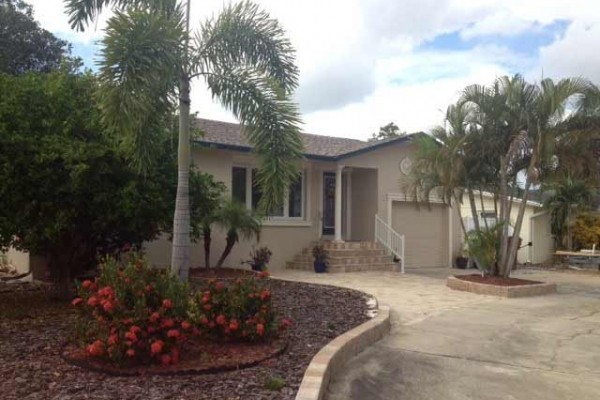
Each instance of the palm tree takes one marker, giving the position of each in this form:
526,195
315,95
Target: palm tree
148,61
239,222
521,121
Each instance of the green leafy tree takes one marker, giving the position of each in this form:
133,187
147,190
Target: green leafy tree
25,45
388,131
238,222
148,61
569,197
66,191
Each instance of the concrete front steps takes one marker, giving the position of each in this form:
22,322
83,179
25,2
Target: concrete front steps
347,257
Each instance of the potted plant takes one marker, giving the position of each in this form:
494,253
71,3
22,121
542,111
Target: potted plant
462,259
259,258
320,258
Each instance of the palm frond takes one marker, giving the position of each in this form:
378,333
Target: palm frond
139,70
270,123
83,12
245,36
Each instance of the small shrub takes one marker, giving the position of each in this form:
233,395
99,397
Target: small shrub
586,231
259,258
275,383
242,310
133,314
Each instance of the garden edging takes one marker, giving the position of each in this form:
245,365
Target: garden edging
328,361
536,289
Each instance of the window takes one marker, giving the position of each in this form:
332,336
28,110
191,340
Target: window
245,189
238,184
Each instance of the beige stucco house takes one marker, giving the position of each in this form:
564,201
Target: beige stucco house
350,191
344,185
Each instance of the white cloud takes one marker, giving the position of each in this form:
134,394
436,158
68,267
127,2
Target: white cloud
574,54
361,66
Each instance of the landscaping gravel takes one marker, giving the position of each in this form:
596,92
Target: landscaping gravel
32,330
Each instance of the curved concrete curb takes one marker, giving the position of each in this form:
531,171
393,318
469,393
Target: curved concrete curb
334,355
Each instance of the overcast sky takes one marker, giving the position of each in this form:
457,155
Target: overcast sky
365,63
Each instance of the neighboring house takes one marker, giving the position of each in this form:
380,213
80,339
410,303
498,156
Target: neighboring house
535,227
344,184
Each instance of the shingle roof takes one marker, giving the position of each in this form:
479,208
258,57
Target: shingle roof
230,135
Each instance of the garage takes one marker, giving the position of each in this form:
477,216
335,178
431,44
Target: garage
426,231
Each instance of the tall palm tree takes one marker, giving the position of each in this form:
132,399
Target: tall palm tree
521,121
148,61
238,221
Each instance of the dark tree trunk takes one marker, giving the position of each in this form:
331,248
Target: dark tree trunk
206,232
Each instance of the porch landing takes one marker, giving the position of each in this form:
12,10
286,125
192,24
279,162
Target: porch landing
351,256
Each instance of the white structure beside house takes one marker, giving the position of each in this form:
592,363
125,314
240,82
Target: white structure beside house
535,228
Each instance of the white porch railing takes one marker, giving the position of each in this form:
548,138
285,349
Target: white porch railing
390,239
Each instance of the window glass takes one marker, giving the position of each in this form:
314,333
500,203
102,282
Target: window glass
295,198
238,184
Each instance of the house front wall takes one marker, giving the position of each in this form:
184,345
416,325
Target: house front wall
284,238
426,229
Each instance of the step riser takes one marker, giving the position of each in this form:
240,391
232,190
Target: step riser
347,268
349,245
347,260
350,253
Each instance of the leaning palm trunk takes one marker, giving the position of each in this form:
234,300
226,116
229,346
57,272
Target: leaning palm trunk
230,241
180,256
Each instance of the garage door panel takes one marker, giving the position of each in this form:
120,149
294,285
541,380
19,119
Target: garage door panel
426,232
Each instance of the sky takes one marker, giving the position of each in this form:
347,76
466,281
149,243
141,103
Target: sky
365,63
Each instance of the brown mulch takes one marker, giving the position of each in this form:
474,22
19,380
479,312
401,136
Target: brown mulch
221,273
496,280
33,329
200,357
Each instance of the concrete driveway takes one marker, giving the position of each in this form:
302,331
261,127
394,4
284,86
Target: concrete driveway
452,345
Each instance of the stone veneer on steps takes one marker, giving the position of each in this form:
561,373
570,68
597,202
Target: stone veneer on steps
347,257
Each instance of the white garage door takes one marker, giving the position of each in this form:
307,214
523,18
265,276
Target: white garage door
426,232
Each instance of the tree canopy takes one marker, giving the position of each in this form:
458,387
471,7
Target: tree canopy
25,45
67,190
388,131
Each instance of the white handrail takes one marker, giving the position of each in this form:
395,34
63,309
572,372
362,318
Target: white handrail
390,239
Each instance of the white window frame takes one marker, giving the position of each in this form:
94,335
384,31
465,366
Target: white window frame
286,204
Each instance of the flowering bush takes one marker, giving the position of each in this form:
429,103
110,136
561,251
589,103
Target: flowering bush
242,310
133,313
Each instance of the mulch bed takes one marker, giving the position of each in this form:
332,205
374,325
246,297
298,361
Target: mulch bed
496,280
33,329
200,357
221,273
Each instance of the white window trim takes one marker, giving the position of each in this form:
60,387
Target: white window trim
277,219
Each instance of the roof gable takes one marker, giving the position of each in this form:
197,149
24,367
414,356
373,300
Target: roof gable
230,136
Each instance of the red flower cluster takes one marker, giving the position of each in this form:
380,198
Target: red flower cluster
241,310
126,318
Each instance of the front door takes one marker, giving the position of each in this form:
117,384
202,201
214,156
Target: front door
328,203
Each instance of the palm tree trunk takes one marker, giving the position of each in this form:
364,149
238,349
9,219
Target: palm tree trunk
180,254
471,196
503,215
460,217
228,246
483,212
